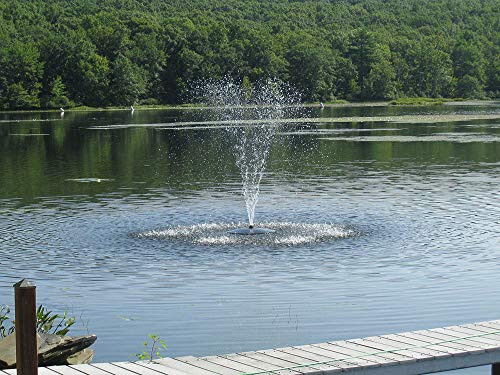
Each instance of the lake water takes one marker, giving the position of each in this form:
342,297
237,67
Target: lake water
413,192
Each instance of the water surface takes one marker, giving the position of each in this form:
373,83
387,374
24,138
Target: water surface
387,220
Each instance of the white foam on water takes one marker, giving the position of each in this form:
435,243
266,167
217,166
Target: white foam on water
89,179
286,234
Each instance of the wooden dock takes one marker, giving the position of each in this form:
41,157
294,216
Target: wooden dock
408,353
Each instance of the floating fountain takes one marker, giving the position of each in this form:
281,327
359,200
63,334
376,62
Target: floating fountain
264,103
251,118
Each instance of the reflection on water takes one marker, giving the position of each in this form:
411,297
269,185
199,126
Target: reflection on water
417,220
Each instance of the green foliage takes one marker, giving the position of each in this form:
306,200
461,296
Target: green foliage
46,321
416,101
98,54
153,348
58,96
6,325
49,322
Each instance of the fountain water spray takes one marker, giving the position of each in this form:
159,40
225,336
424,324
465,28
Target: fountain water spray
265,102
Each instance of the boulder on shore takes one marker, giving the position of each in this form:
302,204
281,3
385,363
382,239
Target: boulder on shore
52,350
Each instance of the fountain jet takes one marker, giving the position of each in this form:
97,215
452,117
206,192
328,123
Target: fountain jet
265,101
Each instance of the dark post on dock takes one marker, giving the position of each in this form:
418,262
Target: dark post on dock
26,341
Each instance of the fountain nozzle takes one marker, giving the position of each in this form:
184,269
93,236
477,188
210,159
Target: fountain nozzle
250,227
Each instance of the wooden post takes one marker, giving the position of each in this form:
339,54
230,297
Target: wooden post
495,369
26,338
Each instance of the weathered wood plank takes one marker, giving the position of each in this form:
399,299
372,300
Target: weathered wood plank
46,371
338,359
359,353
63,370
349,355
240,367
130,366
450,347
263,366
418,353
448,338
278,363
206,365
159,368
473,335
403,338
298,362
89,370
113,369
493,324
395,357
183,367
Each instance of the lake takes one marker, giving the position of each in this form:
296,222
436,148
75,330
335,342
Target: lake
414,192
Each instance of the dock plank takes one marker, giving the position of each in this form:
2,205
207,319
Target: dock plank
263,366
183,367
385,352
63,370
338,359
210,366
357,354
416,352
89,370
278,363
160,369
407,353
113,369
298,362
427,340
448,339
473,335
136,368
240,367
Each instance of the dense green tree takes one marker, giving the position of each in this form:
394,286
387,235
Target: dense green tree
108,52
58,95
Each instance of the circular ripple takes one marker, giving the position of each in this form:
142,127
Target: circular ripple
285,233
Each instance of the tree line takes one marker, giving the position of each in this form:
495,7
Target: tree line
100,53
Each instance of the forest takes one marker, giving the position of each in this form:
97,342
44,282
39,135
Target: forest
99,53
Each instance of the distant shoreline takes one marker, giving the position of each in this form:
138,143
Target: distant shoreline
307,105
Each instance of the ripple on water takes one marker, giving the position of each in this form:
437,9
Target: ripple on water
286,234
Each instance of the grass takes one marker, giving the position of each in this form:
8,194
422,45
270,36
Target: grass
423,101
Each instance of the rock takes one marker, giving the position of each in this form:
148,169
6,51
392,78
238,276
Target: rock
83,356
8,352
52,350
